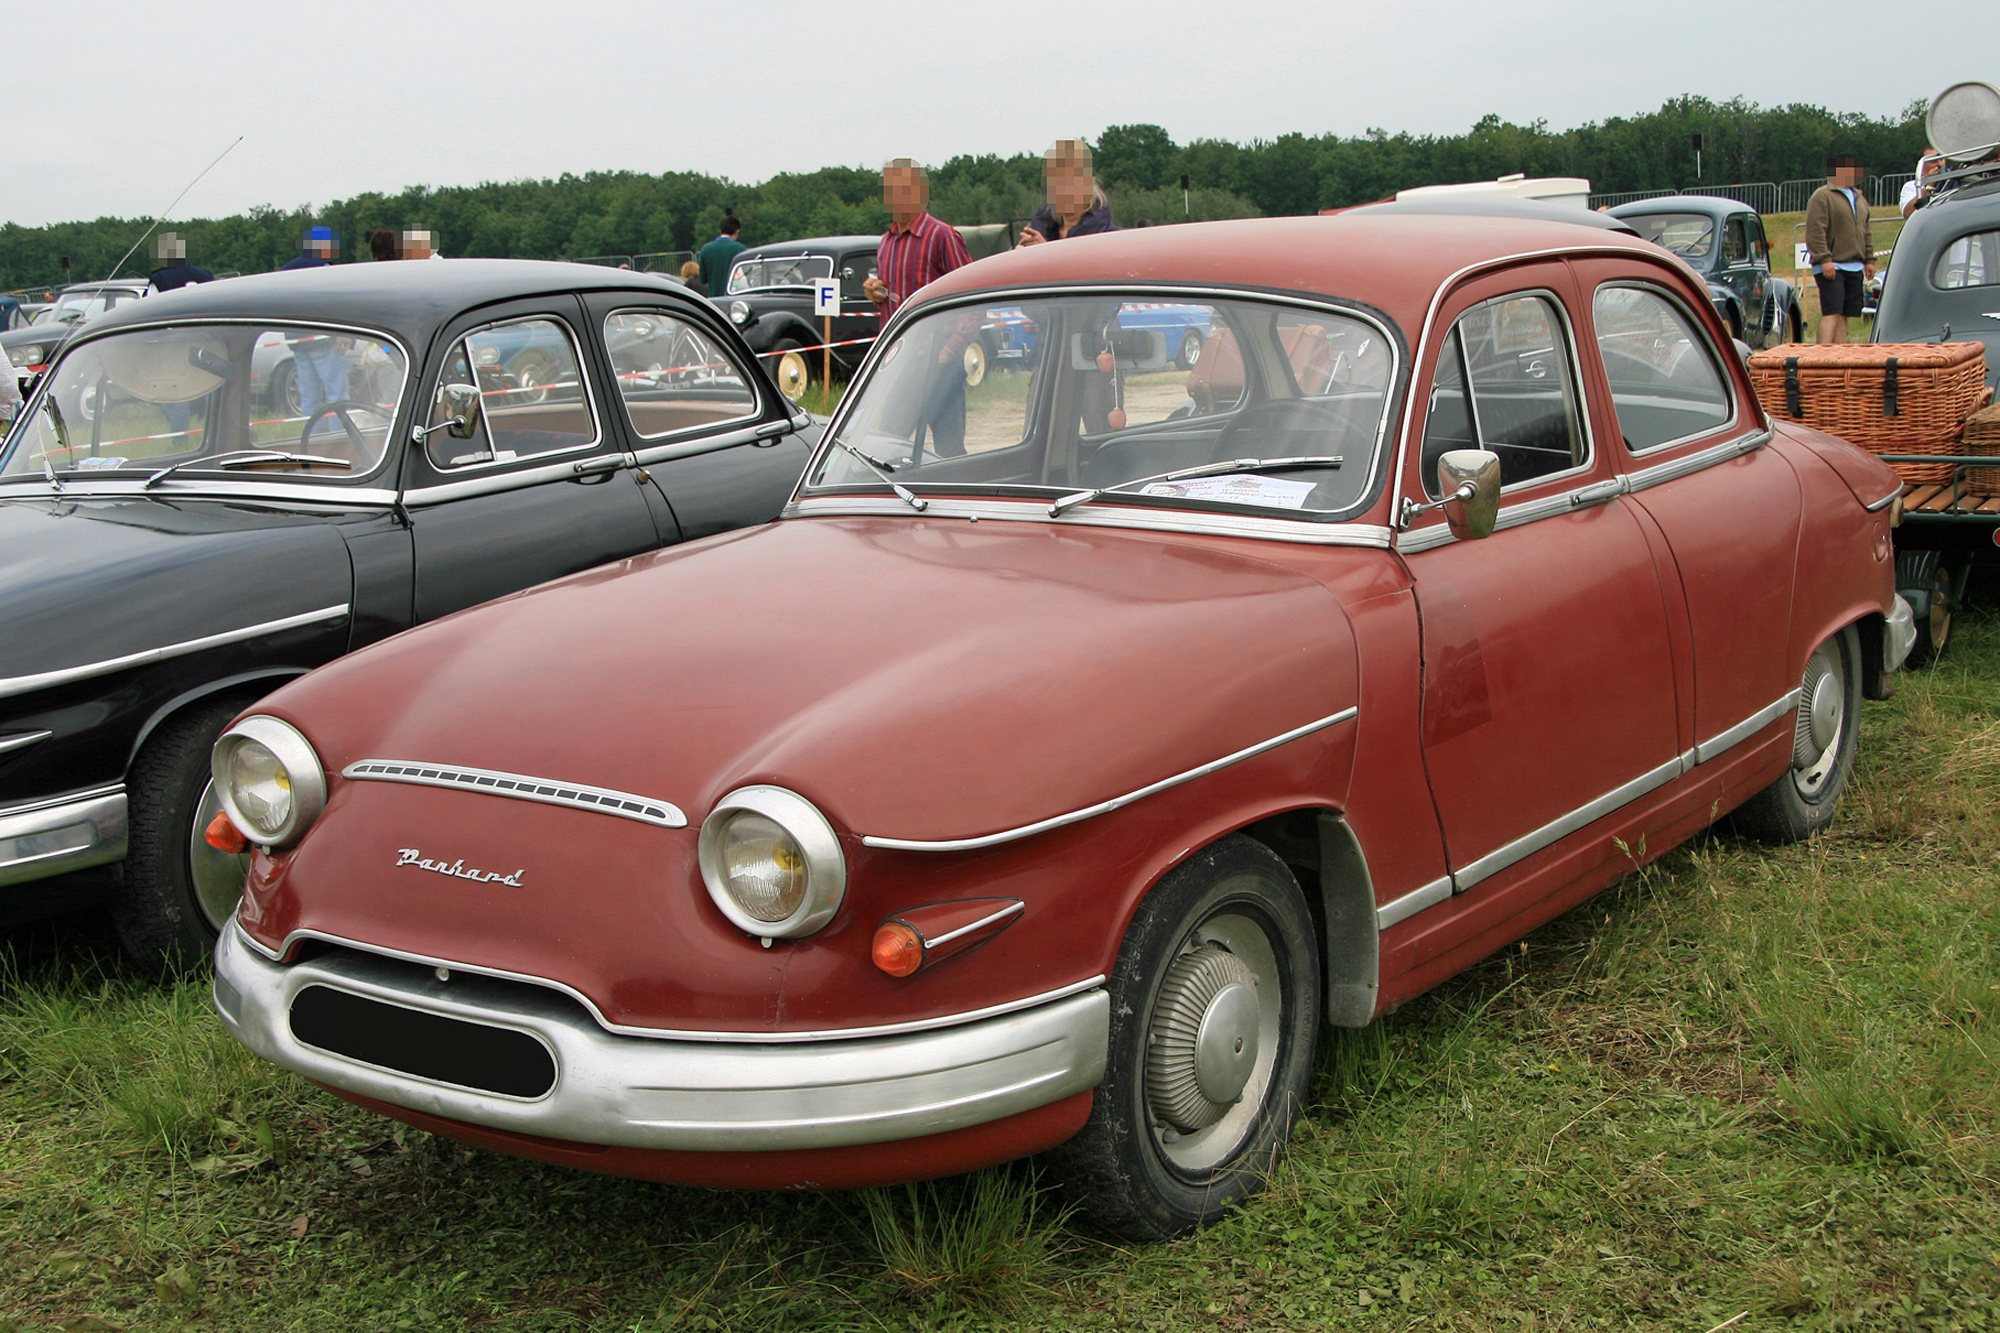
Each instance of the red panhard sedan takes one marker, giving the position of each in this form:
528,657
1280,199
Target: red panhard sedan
1081,741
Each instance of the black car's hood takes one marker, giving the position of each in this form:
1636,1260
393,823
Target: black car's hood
96,580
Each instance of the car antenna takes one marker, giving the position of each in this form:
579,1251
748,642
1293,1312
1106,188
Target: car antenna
162,215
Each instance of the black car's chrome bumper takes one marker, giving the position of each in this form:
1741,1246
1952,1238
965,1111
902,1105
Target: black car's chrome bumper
70,832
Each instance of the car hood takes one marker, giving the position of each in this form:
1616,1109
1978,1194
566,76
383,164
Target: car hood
95,580
916,678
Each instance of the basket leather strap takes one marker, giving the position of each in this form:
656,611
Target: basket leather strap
1792,407
1889,408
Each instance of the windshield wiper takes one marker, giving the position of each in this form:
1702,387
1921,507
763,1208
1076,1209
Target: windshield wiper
882,470
244,458
1204,470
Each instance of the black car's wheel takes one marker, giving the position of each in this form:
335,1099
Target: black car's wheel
282,394
1215,1010
1803,799
534,371
791,371
177,891
1190,352
1928,572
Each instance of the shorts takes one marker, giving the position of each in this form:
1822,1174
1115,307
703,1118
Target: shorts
1841,293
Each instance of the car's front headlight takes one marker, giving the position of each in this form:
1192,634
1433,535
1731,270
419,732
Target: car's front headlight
739,312
27,354
772,862
269,780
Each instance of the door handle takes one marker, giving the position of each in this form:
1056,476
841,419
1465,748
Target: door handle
589,465
1597,494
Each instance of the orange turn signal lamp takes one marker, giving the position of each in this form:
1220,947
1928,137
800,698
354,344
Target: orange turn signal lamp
223,835
925,936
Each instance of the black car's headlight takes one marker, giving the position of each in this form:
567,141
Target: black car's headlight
269,780
739,312
772,862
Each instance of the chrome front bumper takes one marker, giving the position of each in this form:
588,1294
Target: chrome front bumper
643,1092
71,832
1899,635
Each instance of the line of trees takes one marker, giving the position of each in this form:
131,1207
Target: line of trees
635,213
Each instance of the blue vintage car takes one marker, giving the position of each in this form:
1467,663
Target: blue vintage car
1009,338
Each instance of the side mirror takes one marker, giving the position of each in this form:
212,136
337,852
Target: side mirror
464,405
1469,479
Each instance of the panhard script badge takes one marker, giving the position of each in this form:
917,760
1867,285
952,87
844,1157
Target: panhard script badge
411,856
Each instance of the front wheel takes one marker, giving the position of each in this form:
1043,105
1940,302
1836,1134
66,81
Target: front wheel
1190,354
178,891
790,370
1802,801
1215,1011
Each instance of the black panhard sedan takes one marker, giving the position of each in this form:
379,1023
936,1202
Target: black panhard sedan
174,544
1724,242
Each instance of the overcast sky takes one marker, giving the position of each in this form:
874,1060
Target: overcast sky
116,109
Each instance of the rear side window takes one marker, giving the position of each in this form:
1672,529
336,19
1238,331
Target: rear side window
1503,383
531,392
1665,385
1969,261
672,376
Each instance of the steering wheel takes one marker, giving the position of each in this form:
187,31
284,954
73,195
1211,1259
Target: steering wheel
339,411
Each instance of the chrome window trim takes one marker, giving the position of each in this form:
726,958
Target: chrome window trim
583,384
44,680
1688,464
1187,296
689,448
1411,422
1413,902
317,487
1735,417
1105,807
674,1034
832,271
190,488
1102,516
749,384
492,483
544,791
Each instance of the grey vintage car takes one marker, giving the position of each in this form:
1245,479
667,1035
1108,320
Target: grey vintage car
1724,241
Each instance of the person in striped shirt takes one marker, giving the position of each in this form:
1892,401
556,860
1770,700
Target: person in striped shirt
918,249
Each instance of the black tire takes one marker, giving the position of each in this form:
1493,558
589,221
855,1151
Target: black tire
282,393
1805,796
160,912
1797,324
1927,572
1190,353
1158,1157
534,371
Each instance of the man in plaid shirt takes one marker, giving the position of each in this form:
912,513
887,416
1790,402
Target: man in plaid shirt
918,249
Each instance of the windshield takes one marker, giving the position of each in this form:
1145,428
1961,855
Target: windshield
752,275
1085,392
1691,235
207,397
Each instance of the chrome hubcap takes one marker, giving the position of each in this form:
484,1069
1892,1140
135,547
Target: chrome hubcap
1821,717
1212,1042
218,876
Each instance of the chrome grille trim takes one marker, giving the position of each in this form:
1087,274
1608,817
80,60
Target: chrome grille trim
521,787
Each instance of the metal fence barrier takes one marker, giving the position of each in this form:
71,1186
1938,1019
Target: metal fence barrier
1629,196
1887,191
1760,195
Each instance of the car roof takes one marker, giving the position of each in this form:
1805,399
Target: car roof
1395,262
409,298
810,246
1712,205
1496,207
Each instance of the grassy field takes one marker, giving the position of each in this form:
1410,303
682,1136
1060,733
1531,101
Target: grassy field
1750,1088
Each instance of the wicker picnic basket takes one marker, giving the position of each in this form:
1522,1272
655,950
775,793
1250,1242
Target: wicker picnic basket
1982,440
1889,398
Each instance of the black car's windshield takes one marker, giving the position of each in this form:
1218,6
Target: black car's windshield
764,272
194,398
1690,235
1064,395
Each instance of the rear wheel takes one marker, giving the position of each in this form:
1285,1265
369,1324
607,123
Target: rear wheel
1190,349
1215,1011
789,368
178,891
975,364
1928,573
1802,801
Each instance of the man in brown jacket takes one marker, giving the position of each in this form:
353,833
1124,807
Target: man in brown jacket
1840,247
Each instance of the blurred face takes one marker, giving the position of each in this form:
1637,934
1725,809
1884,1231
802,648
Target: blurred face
1847,175
417,245
1071,187
320,249
904,194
